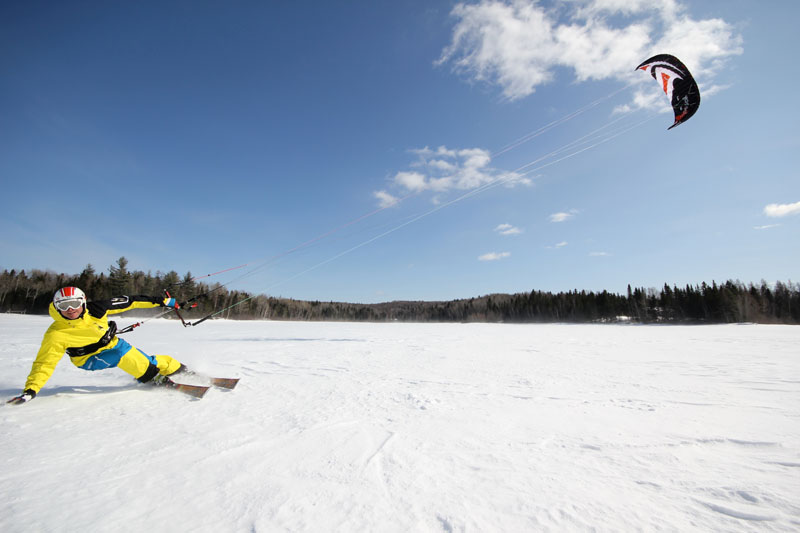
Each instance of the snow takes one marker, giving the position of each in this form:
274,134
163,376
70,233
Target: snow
413,427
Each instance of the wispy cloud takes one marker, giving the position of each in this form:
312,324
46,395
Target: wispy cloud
563,216
507,229
518,45
599,254
494,256
767,226
385,199
782,210
443,169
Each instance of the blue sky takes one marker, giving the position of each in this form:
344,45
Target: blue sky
371,151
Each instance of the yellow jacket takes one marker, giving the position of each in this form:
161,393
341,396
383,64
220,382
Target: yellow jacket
84,331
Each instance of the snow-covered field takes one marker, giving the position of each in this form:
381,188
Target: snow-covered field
411,427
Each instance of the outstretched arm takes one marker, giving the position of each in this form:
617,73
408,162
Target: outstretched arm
121,304
42,368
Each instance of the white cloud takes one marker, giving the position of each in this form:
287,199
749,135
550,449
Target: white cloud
599,254
494,256
563,216
443,169
767,226
668,8
412,181
519,44
444,166
507,229
385,199
644,100
429,153
782,210
561,244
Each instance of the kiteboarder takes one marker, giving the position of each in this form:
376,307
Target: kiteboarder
83,331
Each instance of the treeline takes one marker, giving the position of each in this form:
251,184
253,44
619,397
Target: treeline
32,292
727,303
732,301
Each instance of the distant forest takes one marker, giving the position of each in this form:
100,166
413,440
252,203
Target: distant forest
731,301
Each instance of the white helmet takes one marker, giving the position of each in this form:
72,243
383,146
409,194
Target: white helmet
69,298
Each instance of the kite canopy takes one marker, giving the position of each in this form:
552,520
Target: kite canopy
678,84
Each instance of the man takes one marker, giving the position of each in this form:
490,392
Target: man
83,331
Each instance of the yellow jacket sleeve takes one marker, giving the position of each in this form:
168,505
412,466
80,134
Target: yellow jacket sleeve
121,304
50,353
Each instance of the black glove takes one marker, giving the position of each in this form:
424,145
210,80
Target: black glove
26,396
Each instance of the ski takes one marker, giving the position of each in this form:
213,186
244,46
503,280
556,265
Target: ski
197,384
198,378
224,383
196,391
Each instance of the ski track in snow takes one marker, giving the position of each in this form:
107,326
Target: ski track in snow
413,427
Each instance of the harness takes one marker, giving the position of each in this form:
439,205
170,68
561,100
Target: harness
107,337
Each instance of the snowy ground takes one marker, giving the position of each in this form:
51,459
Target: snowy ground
408,427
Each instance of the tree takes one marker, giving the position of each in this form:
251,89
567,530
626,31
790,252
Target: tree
86,281
119,279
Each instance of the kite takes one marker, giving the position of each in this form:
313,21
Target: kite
678,84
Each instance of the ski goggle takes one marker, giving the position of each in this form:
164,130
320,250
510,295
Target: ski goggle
66,305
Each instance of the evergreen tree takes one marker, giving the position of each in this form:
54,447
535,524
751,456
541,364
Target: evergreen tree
86,281
120,280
